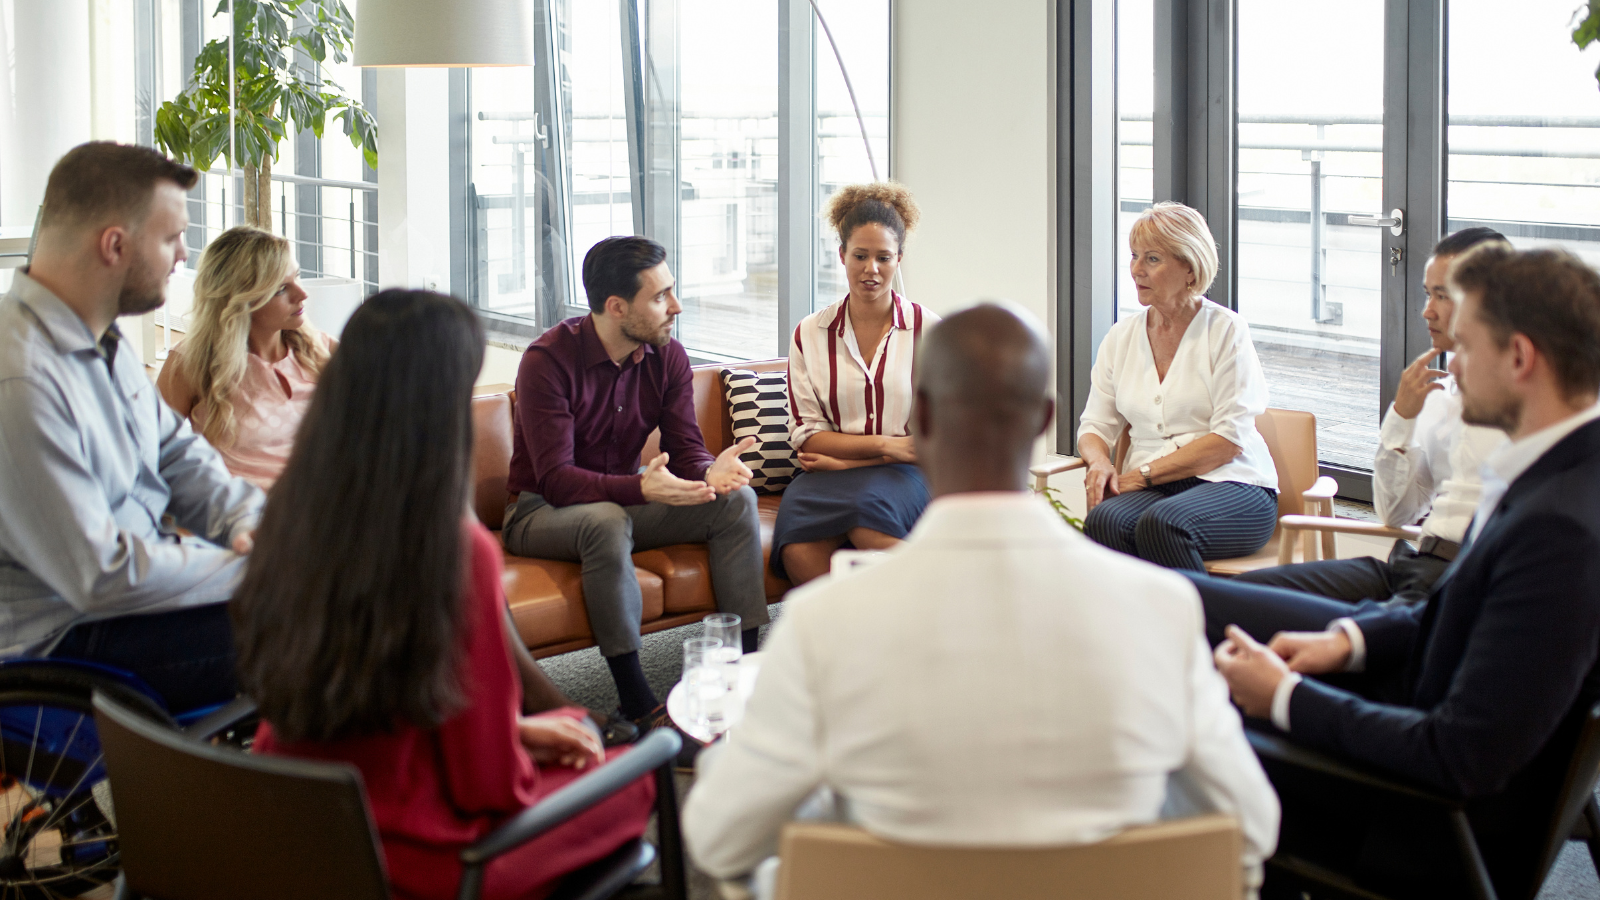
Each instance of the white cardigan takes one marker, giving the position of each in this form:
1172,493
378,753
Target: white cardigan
1214,386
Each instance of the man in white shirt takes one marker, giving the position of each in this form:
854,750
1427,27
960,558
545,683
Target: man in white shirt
1480,692
999,679
1428,464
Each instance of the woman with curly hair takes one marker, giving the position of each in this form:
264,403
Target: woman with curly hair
850,397
245,374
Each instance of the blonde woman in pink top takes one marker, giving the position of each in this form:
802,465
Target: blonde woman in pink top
245,373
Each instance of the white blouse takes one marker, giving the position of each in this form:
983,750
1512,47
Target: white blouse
833,386
1214,386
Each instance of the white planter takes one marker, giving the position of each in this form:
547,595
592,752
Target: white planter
331,301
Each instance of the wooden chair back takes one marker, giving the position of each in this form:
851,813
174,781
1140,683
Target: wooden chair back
1186,859
1291,437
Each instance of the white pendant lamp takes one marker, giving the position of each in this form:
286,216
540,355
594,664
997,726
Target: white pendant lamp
450,33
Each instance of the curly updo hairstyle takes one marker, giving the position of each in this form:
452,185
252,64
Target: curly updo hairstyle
881,202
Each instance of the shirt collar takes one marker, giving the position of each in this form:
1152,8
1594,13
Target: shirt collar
1511,460
1007,517
67,331
594,352
899,316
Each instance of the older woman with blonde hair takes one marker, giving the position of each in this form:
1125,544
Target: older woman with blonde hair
1182,378
245,374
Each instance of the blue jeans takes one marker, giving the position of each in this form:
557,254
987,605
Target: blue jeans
185,655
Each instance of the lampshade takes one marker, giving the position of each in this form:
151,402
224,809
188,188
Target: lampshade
444,33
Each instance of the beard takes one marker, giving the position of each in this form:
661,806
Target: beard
635,328
144,289
1503,415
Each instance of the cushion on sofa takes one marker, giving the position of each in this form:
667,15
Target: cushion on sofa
546,599
758,404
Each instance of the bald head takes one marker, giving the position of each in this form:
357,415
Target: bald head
983,396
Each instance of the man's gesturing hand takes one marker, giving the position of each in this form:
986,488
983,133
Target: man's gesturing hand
729,473
1251,670
1416,383
661,486
1312,652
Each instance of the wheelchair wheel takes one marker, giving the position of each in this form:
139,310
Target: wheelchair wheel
58,833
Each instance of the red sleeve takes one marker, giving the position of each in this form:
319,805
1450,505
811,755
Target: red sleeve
680,431
544,411
487,771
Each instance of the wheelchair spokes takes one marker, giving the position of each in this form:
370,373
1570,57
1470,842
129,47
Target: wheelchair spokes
59,836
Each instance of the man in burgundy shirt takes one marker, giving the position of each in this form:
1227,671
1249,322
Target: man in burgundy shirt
589,392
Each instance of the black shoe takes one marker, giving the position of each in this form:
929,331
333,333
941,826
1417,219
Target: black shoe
658,718
615,730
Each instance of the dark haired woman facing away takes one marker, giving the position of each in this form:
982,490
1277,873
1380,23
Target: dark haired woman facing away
370,625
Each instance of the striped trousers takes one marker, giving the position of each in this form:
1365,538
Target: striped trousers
1181,524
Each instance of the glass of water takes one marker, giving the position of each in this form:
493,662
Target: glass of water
706,684
725,628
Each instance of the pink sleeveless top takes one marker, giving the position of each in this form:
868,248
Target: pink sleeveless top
267,409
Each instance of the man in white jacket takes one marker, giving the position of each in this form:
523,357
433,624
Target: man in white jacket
998,680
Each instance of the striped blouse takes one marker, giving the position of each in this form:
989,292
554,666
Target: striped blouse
834,387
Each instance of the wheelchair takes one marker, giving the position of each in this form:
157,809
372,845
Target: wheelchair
58,827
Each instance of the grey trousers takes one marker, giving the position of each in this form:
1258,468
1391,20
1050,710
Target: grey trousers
603,537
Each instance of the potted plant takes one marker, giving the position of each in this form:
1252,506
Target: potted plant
272,89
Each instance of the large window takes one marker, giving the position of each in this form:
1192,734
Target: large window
1524,133
1309,155
661,117
1136,104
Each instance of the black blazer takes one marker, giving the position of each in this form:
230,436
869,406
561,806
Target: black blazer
1498,668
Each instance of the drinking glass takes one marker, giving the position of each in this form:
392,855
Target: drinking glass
706,684
725,628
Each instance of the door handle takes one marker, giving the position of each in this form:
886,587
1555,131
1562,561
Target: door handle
1395,221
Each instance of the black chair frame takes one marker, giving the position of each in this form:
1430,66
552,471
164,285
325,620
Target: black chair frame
1576,815
611,876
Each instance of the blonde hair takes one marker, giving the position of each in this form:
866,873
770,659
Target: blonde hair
239,272
881,202
1181,231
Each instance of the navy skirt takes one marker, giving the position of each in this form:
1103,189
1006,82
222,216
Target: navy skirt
818,505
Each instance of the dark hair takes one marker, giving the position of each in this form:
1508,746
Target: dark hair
879,203
611,268
1465,239
103,182
349,618
1549,296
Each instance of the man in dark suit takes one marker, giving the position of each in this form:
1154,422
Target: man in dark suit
1479,692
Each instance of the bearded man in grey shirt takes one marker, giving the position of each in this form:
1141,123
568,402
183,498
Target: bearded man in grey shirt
97,474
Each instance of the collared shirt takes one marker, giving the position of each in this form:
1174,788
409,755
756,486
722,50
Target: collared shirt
1430,464
1502,467
582,420
1213,386
1123,717
1507,464
834,386
91,460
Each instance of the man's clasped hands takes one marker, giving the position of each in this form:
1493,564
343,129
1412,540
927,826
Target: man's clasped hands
1253,670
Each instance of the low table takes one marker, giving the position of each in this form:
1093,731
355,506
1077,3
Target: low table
678,701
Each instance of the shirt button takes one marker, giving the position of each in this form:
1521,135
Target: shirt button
619,409
1158,400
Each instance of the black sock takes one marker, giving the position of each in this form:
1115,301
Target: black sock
632,688
748,638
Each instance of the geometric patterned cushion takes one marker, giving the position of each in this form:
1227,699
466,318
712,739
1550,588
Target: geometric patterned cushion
759,407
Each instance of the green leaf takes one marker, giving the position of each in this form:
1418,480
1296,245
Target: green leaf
1587,31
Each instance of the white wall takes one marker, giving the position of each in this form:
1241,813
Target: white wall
48,108
972,125
413,190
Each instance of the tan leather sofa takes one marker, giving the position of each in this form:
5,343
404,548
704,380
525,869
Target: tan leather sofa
546,596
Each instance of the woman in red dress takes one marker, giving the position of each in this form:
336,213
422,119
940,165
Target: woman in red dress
370,624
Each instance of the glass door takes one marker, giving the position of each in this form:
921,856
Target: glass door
1310,169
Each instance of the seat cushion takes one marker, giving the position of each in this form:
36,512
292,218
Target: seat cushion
767,511
1265,558
685,572
546,599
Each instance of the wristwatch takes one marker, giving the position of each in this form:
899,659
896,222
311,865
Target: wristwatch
1144,470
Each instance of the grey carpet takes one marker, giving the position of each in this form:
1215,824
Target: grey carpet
584,677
